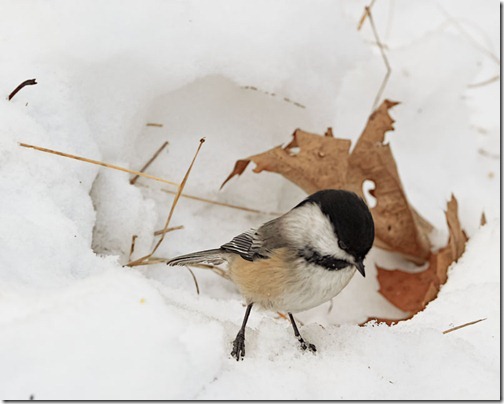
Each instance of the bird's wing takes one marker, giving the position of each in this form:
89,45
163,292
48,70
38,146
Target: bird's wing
257,244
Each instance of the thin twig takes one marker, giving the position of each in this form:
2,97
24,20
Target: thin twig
227,205
154,156
484,82
365,14
385,60
194,279
282,315
169,229
213,268
157,125
100,163
25,83
468,36
485,153
172,209
152,177
462,326
132,248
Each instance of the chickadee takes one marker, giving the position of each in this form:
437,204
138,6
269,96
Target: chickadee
298,260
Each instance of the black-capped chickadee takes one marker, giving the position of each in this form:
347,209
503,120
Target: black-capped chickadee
298,260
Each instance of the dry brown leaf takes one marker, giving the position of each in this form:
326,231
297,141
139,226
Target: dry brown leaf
412,291
483,219
324,162
321,162
398,227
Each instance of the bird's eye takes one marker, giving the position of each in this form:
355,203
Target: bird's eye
342,245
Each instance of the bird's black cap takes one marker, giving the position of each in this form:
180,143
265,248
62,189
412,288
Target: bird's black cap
350,217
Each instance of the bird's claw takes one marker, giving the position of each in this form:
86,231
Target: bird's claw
238,351
307,346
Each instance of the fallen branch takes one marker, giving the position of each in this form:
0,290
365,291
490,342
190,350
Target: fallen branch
25,83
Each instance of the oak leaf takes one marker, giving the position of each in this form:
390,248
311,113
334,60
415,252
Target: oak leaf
325,162
322,161
412,291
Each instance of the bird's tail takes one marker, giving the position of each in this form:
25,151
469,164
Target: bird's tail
214,257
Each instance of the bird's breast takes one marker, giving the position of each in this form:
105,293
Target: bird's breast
285,283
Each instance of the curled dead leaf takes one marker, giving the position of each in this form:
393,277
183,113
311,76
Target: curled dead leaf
412,291
324,162
321,162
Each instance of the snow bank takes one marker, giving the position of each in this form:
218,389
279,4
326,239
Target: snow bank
75,324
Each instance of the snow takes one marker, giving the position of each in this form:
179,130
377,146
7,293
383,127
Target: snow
76,324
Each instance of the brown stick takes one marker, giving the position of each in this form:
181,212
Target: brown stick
25,83
462,326
157,125
100,163
155,155
172,209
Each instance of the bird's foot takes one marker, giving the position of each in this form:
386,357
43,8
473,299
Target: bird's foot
307,346
238,351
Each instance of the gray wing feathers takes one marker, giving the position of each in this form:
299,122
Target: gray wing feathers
215,257
256,244
242,245
250,245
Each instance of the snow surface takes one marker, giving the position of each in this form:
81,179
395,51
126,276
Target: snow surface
76,324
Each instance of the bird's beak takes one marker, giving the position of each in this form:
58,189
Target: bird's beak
360,267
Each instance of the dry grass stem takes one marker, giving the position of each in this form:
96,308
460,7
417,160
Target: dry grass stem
194,279
132,248
227,205
485,153
154,156
172,209
384,56
157,125
468,36
100,163
169,229
462,326
214,269
282,315
365,15
484,82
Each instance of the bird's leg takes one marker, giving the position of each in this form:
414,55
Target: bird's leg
239,342
304,345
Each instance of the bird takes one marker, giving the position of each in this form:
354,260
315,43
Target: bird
298,260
